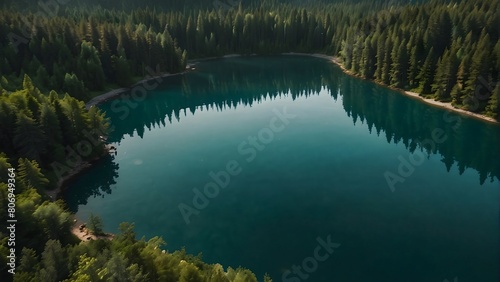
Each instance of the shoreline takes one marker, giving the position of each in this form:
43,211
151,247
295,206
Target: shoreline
189,67
55,193
414,95
83,233
117,92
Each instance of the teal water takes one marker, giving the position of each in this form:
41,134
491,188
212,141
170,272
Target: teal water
310,150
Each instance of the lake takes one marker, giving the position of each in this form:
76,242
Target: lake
285,165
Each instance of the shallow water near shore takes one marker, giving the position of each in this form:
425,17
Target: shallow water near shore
286,153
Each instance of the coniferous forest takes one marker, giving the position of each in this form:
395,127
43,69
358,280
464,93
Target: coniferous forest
57,55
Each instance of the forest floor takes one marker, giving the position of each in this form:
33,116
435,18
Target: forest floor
414,95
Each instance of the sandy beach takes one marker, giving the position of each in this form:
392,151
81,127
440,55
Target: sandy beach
81,231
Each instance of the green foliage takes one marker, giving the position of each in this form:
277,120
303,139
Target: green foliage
427,73
54,262
29,266
244,275
439,49
30,175
104,260
54,221
122,71
39,128
189,273
95,224
75,87
406,45
88,270
89,67
267,278
493,108
29,138
29,261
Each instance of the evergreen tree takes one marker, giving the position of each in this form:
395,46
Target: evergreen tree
426,73
50,123
95,224
73,86
380,58
399,65
494,103
30,175
122,70
54,262
7,126
29,138
90,68
67,129
387,62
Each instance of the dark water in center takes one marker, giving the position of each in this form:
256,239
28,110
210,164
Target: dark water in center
313,153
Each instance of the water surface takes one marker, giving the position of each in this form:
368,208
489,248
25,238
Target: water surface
320,173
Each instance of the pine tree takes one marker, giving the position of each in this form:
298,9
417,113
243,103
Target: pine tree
493,107
456,95
399,65
464,71
95,224
437,86
347,51
368,60
30,175
76,113
50,123
105,53
426,73
387,62
54,262
446,75
357,53
90,68
68,133
413,68
29,139
4,166
380,58
480,63
7,125
122,70
73,86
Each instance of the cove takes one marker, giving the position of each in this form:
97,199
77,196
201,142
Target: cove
360,184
